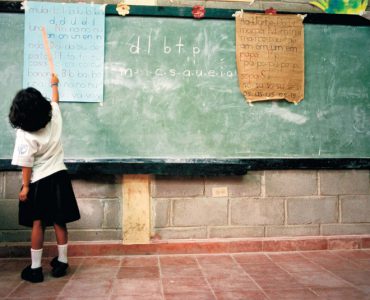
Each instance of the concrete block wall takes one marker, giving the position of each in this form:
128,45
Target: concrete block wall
263,204
99,199
260,204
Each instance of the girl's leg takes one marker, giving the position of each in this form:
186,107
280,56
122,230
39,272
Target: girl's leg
61,234
33,272
37,235
37,241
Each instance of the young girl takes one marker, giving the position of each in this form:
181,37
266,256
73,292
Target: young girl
46,197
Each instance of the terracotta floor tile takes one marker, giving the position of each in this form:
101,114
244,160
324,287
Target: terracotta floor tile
136,286
190,296
219,271
365,289
180,271
353,254
361,264
341,294
78,298
356,277
320,280
292,294
167,260
102,261
87,288
255,269
335,264
288,256
184,285
137,297
96,272
42,289
277,281
139,261
7,286
232,283
334,274
251,258
215,259
319,254
72,261
299,266
241,295
134,272
11,264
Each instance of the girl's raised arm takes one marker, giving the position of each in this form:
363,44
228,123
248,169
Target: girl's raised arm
54,86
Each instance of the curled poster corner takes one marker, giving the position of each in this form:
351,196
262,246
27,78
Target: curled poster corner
24,5
250,103
102,7
302,16
238,13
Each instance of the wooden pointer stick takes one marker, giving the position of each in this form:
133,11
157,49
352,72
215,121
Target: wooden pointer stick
47,50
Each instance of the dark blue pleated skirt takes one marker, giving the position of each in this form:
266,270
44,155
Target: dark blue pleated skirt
51,200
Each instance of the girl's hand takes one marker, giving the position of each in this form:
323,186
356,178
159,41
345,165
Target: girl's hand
54,79
24,193
54,87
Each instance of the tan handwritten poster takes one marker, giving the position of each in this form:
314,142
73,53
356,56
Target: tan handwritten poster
270,56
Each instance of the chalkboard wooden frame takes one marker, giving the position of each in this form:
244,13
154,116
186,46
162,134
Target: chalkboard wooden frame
202,167
211,13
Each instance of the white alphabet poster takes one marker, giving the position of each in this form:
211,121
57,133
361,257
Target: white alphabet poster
75,34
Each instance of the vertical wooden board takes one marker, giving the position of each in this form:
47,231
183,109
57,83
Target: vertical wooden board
136,209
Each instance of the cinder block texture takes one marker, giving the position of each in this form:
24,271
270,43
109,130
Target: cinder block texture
13,183
295,230
346,182
9,215
92,214
168,187
343,229
291,183
236,231
94,235
312,210
257,211
161,212
112,213
19,235
355,209
2,185
238,186
200,211
182,233
97,186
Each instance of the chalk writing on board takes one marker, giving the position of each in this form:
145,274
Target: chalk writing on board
270,57
76,36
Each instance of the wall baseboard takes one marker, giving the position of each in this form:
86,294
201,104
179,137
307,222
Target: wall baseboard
213,246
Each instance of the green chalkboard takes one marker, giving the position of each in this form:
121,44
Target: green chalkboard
171,92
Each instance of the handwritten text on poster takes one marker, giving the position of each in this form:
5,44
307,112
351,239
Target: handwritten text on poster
76,38
270,56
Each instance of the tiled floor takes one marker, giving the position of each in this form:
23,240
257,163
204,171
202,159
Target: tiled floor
284,275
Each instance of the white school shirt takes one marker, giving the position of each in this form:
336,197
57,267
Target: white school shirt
42,150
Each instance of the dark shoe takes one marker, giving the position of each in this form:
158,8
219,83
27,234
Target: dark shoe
59,268
32,275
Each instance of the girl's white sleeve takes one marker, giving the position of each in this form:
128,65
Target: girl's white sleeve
24,150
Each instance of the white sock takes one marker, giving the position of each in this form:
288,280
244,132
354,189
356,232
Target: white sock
62,253
36,256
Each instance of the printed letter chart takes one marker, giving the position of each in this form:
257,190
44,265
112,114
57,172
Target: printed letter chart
75,36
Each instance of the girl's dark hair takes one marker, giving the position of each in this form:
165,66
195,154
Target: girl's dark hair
30,111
